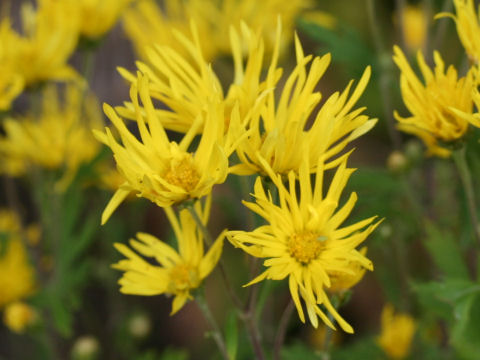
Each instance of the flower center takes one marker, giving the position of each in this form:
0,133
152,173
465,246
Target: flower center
183,174
305,246
183,277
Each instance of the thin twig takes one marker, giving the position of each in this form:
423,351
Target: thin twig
216,333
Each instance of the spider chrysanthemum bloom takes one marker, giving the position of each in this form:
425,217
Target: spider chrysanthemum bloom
40,53
164,171
468,26
59,137
397,333
147,24
179,271
290,123
435,104
185,88
303,239
98,16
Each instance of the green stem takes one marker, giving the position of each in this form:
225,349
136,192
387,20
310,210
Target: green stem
385,74
327,340
282,330
246,314
208,240
465,176
88,64
216,333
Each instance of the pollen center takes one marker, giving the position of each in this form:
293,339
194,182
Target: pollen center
182,277
183,174
305,246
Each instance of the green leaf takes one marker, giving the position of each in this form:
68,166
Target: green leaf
299,351
345,44
359,350
466,329
445,252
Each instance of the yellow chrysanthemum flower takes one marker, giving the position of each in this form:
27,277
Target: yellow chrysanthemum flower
16,273
179,272
468,26
164,171
18,316
60,136
303,239
435,105
186,88
49,37
277,129
146,24
397,333
99,16
281,131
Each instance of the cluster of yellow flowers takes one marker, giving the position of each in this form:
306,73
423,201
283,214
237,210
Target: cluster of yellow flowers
49,36
443,107
147,24
17,277
59,137
283,135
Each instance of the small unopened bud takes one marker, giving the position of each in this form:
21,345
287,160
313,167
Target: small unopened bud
385,230
19,316
140,326
397,162
413,150
85,348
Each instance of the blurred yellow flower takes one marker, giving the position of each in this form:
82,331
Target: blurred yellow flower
435,105
48,39
147,24
414,27
303,239
178,272
397,333
342,281
18,316
288,124
11,85
99,16
16,273
163,171
59,137
468,26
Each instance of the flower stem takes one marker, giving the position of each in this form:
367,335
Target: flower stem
327,340
246,312
282,330
465,176
385,74
208,240
216,333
